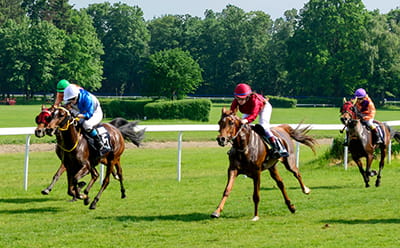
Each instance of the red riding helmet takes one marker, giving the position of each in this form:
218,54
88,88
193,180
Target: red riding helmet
242,90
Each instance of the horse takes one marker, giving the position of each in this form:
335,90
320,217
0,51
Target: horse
80,159
250,156
361,142
43,119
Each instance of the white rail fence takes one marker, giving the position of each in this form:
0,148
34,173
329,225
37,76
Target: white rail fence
28,131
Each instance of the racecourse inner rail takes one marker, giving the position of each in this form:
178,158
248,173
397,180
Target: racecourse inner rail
28,131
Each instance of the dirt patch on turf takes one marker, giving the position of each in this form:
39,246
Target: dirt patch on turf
146,145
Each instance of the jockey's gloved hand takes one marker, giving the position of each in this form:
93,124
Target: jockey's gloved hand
81,121
74,112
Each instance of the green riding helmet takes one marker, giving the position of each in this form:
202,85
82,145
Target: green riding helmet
61,85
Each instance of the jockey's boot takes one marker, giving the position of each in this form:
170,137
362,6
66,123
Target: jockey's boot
99,144
379,139
277,150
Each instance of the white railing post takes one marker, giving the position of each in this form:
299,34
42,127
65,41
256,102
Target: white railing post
179,156
390,152
26,162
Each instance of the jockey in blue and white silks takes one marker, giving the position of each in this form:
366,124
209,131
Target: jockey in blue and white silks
87,108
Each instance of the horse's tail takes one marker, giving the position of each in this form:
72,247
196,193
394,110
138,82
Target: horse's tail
300,135
129,130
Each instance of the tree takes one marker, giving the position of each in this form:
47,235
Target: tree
11,9
28,54
125,39
81,61
173,73
325,53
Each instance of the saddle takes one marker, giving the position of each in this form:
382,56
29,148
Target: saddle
261,131
104,135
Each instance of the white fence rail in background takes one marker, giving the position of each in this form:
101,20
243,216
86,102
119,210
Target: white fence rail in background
28,131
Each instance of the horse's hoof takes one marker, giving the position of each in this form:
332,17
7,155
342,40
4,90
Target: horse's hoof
86,201
292,208
255,218
45,192
92,206
73,200
215,215
306,190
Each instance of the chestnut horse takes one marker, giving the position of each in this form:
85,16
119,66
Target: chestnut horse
79,157
361,142
250,156
45,116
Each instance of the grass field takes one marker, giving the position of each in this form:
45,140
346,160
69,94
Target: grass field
161,212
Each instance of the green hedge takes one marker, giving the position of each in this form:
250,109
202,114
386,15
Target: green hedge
276,101
282,102
196,109
129,109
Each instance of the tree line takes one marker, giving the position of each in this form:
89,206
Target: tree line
327,49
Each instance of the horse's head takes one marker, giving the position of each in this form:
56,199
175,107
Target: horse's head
61,118
348,113
229,126
42,120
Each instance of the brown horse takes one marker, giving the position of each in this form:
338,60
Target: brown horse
79,157
361,142
43,119
250,156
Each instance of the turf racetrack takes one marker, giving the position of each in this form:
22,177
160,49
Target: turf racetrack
161,212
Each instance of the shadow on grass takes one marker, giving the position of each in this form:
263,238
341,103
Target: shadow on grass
191,217
31,211
312,188
24,200
362,222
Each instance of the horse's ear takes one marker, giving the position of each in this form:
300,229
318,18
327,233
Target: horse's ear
344,99
235,111
223,110
43,107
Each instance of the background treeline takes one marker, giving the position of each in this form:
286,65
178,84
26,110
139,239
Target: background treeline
326,49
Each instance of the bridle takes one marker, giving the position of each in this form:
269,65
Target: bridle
64,126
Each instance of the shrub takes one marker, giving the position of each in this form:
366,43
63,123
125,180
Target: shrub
196,109
129,109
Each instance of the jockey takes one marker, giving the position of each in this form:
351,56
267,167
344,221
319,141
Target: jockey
366,108
61,85
251,105
87,108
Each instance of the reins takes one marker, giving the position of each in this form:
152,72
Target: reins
64,126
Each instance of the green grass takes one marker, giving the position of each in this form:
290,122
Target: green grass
161,212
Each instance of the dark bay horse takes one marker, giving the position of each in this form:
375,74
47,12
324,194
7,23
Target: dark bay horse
79,159
250,156
361,142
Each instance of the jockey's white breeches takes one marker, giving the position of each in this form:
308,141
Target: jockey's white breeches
264,118
94,120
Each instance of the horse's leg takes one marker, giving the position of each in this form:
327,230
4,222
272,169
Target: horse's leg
273,171
94,174
381,165
232,174
119,177
291,166
106,181
362,171
71,186
256,195
56,176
